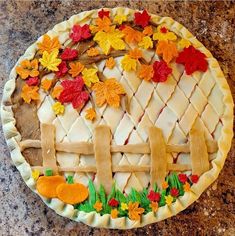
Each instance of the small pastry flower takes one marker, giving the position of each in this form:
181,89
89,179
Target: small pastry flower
98,206
124,206
114,213
169,199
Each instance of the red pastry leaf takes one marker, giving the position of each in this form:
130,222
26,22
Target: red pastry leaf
161,71
102,13
142,19
80,33
32,81
73,91
63,69
193,60
69,54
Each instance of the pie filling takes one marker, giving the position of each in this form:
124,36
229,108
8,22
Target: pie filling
117,115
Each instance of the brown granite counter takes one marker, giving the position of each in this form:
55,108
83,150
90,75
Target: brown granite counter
21,23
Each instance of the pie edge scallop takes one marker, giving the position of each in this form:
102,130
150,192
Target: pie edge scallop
94,219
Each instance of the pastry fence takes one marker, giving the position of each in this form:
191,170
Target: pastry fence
102,148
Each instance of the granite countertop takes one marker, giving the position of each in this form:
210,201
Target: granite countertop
22,22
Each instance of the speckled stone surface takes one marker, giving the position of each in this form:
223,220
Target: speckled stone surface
21,23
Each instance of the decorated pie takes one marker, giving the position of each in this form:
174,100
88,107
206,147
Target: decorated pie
118,118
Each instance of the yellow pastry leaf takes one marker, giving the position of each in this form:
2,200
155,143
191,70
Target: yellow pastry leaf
90,76
119,19
76,68
111,39
90,114
46,84
29,93
92,52
48,44
168,50
110,63
28,68
50,60
135,53
58,108
146,72
134,211
108,92
128,63
35,174
164,34
184,43
146,42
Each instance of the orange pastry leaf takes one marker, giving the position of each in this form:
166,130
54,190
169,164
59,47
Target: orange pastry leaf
90,114
134,211
146,72
168,50
56,91
49,44
135,53
29,93
92,52
110,63
28,68
131,35
76,68
46,84
108,92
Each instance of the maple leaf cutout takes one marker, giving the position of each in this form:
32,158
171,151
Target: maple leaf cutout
131,35
29,93
168,50
111,39
80,33
75,68
48,44
108,92
73,91
142,19
193,60
50,60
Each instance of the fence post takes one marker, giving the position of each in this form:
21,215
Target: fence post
158,155
102,148
198,149
48,147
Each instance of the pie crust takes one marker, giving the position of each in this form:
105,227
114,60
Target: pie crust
206,95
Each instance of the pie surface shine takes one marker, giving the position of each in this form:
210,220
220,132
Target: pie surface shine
123,99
